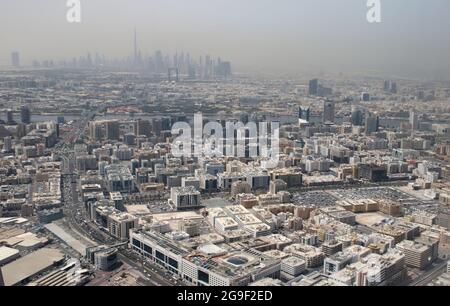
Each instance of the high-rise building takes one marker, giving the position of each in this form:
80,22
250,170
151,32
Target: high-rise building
365,96
95,130
304,113
135,48
313,87
7,144
157,126
386,86
25,114
21,130
223,69
328,111
129,139
143,128
9,117
15,59
357,116
159,62
372,124
323,91
414,121
390,86
393,88
112,130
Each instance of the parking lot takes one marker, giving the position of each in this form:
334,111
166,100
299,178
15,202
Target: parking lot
314,198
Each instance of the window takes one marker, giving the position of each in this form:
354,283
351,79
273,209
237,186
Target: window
136,243
159,255
148,249
203,277
173,263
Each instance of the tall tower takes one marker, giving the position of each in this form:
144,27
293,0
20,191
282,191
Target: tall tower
7,144
372,123
357,116
15,59
414,121
304,113
328,111
112,130
9,117
313,87
25,114
135,48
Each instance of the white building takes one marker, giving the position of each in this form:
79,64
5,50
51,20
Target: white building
225,224
237,268
292,267
119,225
185,197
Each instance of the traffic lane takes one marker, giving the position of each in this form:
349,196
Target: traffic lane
155,278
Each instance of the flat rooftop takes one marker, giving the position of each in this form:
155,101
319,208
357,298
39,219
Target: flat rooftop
30,265
176,216
370,219
73,242
7,253
137,209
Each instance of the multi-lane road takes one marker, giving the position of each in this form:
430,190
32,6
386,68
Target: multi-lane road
77,217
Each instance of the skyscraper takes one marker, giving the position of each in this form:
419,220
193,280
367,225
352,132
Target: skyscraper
7,144
390,87
393,87
159,62
357,116
135,48
95,130
15,59
304,113
414,121
372,124
365,96
328,111
9,117
25,114
143,128
387,86
112,130
223,69
313,87
21,130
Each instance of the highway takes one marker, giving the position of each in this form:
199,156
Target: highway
78,219
156,275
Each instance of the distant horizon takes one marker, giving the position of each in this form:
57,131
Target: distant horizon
282,73
261,36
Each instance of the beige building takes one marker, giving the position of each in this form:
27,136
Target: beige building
417,255
119,225
240,187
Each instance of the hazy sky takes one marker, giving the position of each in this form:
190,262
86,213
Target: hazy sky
291,35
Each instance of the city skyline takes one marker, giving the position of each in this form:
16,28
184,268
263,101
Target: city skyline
256,36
